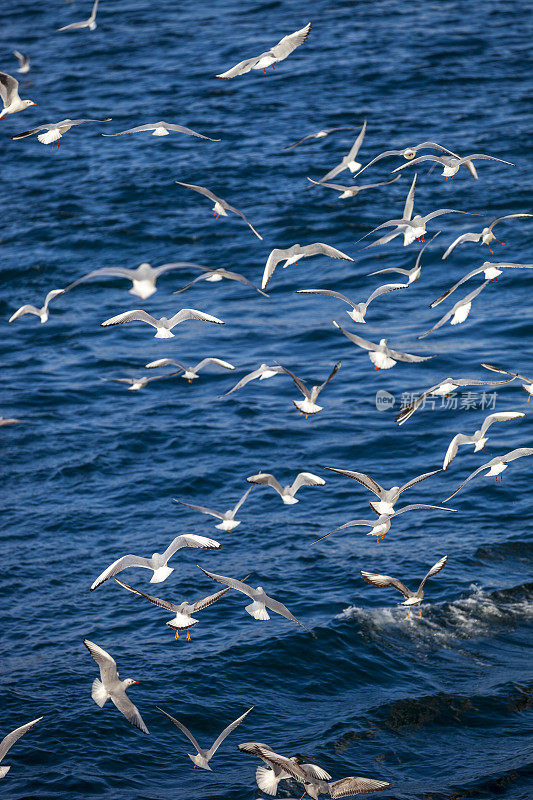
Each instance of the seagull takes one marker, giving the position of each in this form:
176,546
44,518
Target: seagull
496,466
279,52
443,389
528,385
269,777
478,439
263,372
228,517
294,253
143,277
158,562
451,164
162,129
110,687
8,741
24,62
381,525
216,275
221,207
485,237
189,373
42,313
381,356
408,153
5,421
308,405
261,601
9,93
139,383
348,162
87,23
412,274
202,757
411,227
183,619
351,191
55,130
321,134
411,598
491,271
287,492
359,309
163,326
387,497
459,312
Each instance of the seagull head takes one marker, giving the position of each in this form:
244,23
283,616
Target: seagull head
27,103
129,682
409,153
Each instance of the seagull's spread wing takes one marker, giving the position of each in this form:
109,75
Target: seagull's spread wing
120,564
409,357
409,200
218,361
358,340
204,602
357,144
518,453
190,540
331,375
319,248
299,383
433,571
252,376
9,740
456,286
365,480
226,732
130,711
243,498
131,316
189,131
279,608
165,362
275,256
306,479
9,88
192,313
507,216
465,237
451,452
137,129
501,416
107,664
385,580
24,134
243,217
418,479
239,69
201,509
183,729
355,785
265,478
155,600
329,293
201,190
289,43
231,582
387,287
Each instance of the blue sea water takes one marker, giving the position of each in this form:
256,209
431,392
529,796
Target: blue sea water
440,707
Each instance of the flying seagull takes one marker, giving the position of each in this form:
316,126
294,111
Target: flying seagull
359,310
221,207
183,619
5,421
478,438
262,373
380,526
189,373
294,253
216,275
42,313
321,134
110,687
381,356
387,497
411,598
351,191
9,93
409,153
202,757
287,493
442,389
228,517
495,466
457,313
279,52
486,236
348,162
134,384
8,741
451,164
412,274
87,23
261,601
162,129
491,272
158,563
163,326
143,277
24,62
308,405
55,130
528,385
269,777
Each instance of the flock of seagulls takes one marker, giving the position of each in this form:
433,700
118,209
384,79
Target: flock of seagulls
276,767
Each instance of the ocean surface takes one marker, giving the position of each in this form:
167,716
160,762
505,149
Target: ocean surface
438,706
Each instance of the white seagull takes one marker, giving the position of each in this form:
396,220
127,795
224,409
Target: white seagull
262,373
412,274
163,326
42,313
495,466
491,272
143,277
459,312
55,130
279,52
87,23
189,373
228,522
292,254
158,563
8,741
321,134
451,164
380,526
162,129
269,777
408,153
478,438
349,161
5,421
387,497
110,687
202,757
486,236
351,191
381,356
9,93
308,405
287,492
359,310
411,598
134,384
528,385
24,62
216,275
261,601
221,207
